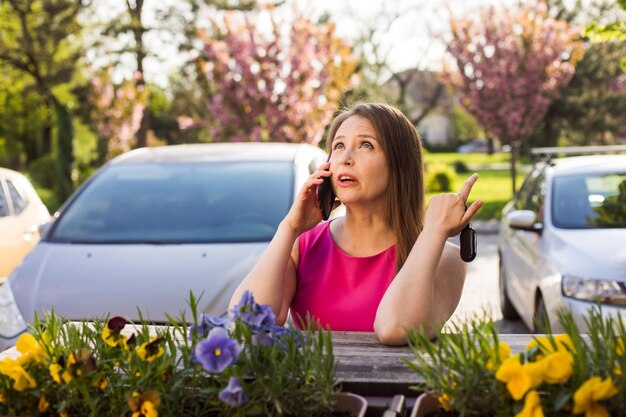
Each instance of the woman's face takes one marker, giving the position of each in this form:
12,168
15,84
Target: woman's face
358,163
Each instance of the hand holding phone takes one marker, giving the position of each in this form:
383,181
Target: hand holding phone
468,242
325,197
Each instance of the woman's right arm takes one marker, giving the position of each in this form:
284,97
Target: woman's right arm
272,281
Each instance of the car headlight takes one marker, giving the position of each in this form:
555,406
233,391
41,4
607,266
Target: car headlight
11,321
594,290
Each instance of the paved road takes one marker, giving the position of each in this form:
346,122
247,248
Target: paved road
481,287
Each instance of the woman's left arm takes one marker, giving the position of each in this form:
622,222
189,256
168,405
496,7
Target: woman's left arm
428,287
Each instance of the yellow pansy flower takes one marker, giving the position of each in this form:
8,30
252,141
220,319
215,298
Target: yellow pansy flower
504,351
590,392
619,347
617,370
563,343
535,371
21,379
151,350
64,414
112,338
101,383
30,349
144,405
558,367
445,402
148,409
519,378
43,404
67,377
532,406
55,369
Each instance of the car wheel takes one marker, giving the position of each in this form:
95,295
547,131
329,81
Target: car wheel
540,320
508,311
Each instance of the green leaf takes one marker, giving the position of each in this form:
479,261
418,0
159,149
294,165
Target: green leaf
561,400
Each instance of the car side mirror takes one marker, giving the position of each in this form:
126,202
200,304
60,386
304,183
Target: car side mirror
523,220
43,228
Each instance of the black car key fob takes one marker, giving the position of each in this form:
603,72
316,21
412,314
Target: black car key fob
468,243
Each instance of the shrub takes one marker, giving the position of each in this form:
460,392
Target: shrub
439,177
43,171
460,167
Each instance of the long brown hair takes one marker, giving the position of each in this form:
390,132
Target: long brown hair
403,149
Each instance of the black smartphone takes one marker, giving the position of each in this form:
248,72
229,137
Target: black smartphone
468,243
325,197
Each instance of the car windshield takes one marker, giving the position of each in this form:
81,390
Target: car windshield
589,201
180,203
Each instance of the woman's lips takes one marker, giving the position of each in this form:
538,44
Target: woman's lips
346,180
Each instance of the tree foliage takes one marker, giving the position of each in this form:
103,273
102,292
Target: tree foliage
510,64
592,107
37,38
22,119
117,112
278,86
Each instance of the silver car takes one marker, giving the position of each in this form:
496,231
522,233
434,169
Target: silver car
152,225
562,241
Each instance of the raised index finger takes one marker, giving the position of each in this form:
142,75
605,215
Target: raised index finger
467,186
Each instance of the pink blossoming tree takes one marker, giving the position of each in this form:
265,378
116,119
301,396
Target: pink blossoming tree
117,111
509,66
279,84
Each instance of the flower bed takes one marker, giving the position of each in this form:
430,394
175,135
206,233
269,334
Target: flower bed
472,373
213,367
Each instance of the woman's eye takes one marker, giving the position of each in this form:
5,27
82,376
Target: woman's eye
367,145
338,146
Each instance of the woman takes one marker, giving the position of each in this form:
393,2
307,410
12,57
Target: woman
385,266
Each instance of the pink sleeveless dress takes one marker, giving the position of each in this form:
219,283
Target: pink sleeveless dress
341,291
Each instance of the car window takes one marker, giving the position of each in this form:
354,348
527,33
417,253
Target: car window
180,203
4,204
589,201
535,199
18,202
526,189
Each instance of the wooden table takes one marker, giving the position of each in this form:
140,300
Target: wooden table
366,367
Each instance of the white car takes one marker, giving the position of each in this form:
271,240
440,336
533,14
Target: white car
21,214
154,224
562,241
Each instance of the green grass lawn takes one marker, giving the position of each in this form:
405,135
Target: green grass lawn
472,159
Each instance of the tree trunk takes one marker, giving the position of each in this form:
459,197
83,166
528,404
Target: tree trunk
138,31
549,130
513,171
46,137
65,157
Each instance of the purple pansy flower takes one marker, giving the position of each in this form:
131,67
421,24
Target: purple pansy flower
261,339
246,303
262,317
254,315
279,333
207,323
233,394
218,351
